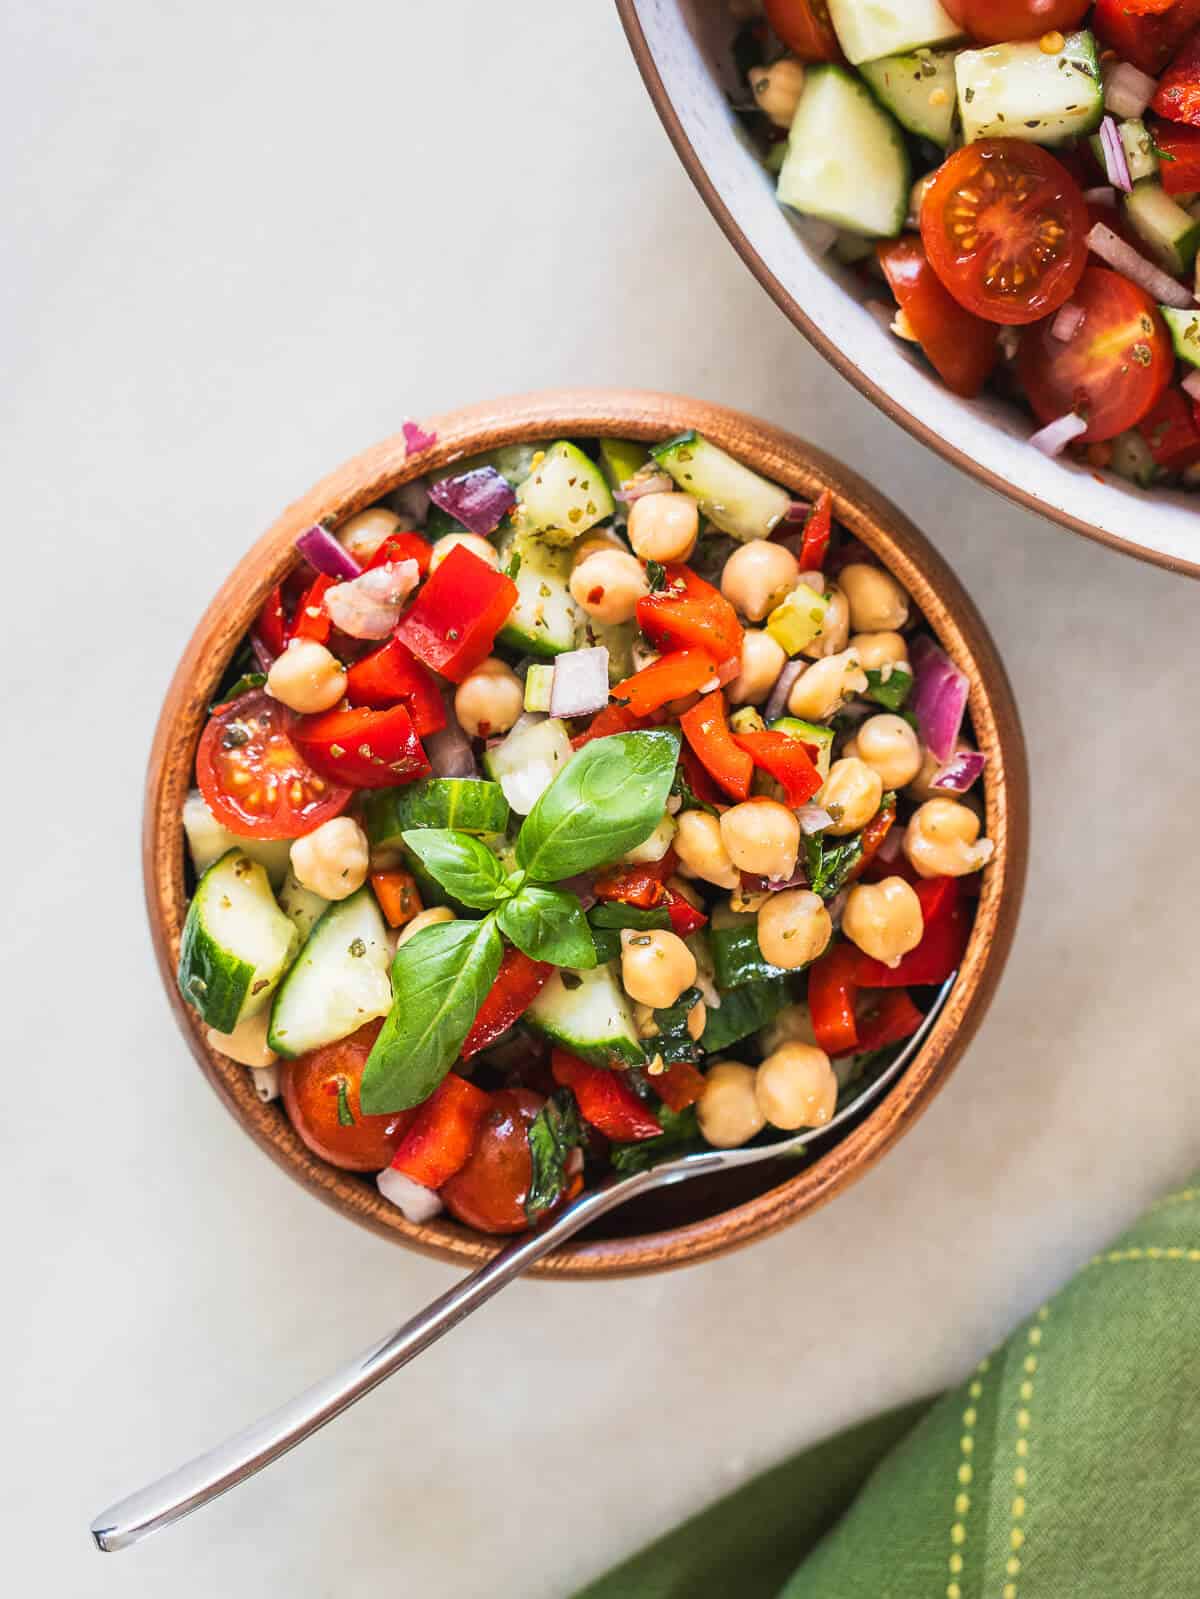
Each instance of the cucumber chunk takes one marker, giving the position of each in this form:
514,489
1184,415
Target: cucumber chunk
869,29
208,840
1017,91
919,90
1171,232
1132,458
621,459
339,982
564,495
590,1015
1185,332
730,495
300,904
466,804
799,619
1138,145
539,686
529,760
812,733
545,619
846,157
616,637
236,943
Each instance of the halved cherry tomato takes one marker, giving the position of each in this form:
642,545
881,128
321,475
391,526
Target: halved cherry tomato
1142,32
605,1098
671,677
490,1191
998,21
961,347
1178,94
255,778
805,28
367,749
271,626
1005,228
403,547
1181,173
1114,367
311,620
1171,432
688,612
393,676
320,1095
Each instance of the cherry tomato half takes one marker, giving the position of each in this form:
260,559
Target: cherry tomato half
1005,228
805,28
960,346
320,1095
253,777
1112,370
998,21
489,1192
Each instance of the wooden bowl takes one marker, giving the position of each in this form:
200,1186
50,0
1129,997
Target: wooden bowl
682,49
693,1221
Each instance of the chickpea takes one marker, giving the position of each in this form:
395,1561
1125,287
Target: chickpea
878,652
656,967
761,836
470,541
763,658
852,793
654,847
817,694
697,1020
942,840
758,577
796,1087
793,1025
777,90
748,902
793,928
835,629
664,527
877,602
307,678
332,859
489,700
362,535
601,538
884,919
890,746
728,1109
430,918
247,1044
701,849
608,585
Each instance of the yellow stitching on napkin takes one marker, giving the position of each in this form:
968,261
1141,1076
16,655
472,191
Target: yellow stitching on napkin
1183,1197
964,1474
1018,1507
1118,1257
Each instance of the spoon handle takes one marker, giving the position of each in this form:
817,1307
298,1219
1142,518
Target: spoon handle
208,1475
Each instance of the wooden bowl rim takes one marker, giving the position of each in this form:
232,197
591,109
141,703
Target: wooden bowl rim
644,415
834,353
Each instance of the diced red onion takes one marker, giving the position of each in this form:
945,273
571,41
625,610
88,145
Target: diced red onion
728,670
961,772
261,653
479,499
1127,90
580,682
798,511
370,606
266,1082
1053,439
1068,322
418,1203
323,552
1116,167
939,697
449,749
1191,385
1123,258
813,819
889,850
778,697
1103,194
416,438
638,486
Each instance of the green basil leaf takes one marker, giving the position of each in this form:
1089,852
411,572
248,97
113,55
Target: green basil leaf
681,1132
465,868
548,924
607,799
689,799
556,1131
440,978
244,685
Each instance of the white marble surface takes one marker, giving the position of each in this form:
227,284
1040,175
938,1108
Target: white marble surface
241,243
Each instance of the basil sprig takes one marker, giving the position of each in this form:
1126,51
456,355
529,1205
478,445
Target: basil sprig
555,1132
607,799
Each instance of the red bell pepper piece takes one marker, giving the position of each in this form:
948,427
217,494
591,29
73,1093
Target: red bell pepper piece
442,1134
271,626
887,1018
605,1099
453,622
1171,432
362,748
960,346
393,676
818,530
947,928
518,983
671,677
873,836
679,1086
613,719
403,547
1181,173
398,896
832,985
642,886
1178,94
1132,29
685,918
698,780
786,759
707,730
688,612
311,620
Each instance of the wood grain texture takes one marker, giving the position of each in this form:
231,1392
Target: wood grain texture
694,1221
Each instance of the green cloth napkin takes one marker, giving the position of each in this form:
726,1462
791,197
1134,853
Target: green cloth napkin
1067,1466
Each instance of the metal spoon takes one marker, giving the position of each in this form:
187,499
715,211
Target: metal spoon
182,1491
